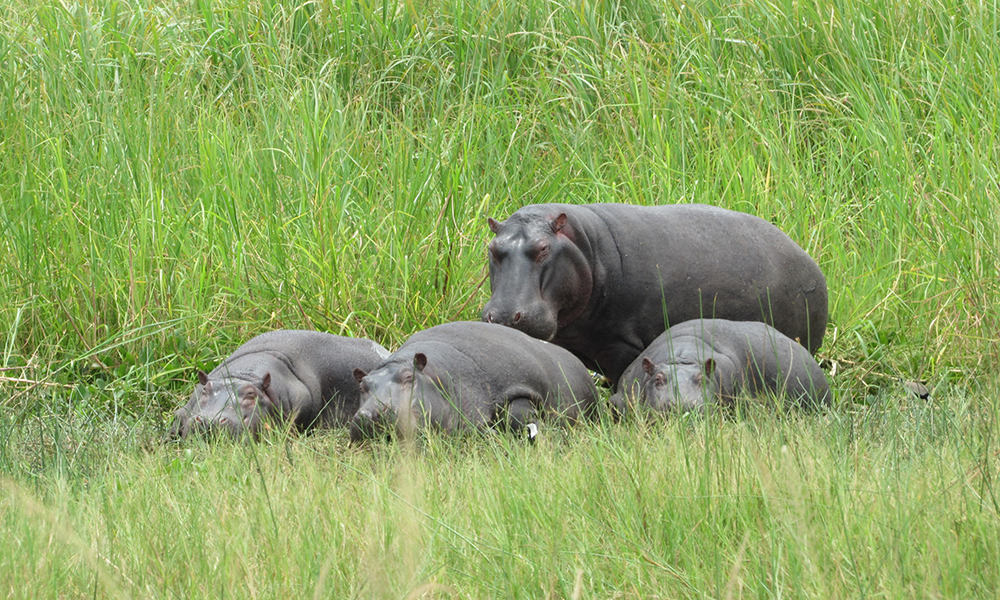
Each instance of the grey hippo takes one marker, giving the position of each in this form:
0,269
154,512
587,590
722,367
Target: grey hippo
714,360
303,376
603,280
472,376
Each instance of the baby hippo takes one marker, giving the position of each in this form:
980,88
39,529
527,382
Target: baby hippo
305,377
702,360
470,376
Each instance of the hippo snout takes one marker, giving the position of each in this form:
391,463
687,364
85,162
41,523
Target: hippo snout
493,316
535,320
221,425
367,425
179,427
618,407
225,423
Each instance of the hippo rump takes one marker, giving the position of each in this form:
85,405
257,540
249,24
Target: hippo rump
472,376
718,360
302,376
603,280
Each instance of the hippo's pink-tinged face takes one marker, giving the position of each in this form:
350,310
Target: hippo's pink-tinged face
225,405
539,279
404,397
681,387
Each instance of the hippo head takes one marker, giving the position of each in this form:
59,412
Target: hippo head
224,406
400,396
540,280
682,387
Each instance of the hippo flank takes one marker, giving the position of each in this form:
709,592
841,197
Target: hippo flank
470,376
704,360
302,376
602,280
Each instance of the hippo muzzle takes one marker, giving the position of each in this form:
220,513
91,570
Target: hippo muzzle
371,424
533,318
224,422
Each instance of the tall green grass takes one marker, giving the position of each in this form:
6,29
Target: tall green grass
229,167
176,177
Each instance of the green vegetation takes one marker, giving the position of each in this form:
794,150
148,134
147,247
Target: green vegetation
176,177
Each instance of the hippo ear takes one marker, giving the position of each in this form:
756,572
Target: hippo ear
419,361
202,377
359,374
558,223
494,224
709,366
648,366
266,382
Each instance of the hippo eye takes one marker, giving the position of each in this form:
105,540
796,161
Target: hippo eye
495,252
659,380
541,252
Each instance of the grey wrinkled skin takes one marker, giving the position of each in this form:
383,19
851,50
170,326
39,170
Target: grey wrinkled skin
714,360
471,376
302,376
602,280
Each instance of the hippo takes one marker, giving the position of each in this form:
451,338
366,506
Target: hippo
603,280
302,376
471,376
704,360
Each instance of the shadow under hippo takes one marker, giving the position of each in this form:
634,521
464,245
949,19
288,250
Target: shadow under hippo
305,377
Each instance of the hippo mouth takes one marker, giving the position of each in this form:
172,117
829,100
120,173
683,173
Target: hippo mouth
372,425
540,327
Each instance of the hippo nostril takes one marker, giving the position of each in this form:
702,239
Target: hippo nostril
223,421
517,316
197,419
362,428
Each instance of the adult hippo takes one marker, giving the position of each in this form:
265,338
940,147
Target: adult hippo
603,280
306,377
471,376
706,360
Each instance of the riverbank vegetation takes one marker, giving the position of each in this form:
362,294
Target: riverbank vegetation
176,177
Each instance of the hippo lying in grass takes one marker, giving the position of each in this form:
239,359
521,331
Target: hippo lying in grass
471,376
305,377
603,280
708,360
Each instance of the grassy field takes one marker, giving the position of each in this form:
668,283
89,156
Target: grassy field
176,177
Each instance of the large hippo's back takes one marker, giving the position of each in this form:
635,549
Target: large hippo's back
699,261
701,247
697,235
